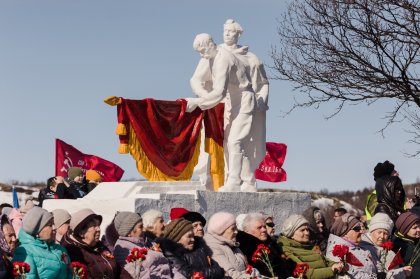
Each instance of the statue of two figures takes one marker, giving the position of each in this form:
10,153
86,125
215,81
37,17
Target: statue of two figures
231,74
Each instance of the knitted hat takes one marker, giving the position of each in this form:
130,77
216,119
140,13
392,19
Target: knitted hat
220,222
35,220
93,175
344,224
61,216
381,221
177,228
405,221
194,217
177,212
74,172
81,218
125,221
292,223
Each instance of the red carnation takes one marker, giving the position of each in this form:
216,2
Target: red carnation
388,245
340,251
20,269
197,275
79,270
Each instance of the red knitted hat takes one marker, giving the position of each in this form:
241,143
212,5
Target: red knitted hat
177,212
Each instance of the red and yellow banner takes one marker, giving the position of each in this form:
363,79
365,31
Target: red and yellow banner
164,139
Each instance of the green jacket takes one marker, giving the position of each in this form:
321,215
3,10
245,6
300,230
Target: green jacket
46,260
319,266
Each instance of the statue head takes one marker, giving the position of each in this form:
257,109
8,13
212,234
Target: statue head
231,32
204,44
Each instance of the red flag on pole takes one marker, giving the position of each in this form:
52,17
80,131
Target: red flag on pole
67,156
396,261
270,169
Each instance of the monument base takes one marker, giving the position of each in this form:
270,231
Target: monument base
138,196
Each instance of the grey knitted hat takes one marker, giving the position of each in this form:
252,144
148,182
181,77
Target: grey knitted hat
125,221
35,220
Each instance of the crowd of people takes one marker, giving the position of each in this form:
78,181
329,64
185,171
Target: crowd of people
228,245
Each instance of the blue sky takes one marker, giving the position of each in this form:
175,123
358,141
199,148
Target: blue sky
60,59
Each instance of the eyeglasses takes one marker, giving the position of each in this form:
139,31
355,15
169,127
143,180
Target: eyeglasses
357,229
270,224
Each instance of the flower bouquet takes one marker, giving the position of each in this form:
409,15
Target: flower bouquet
197,275
301,270
261,254
346,257
136,257
79,270
20,269
382,259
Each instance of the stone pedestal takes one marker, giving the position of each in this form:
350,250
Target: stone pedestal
139,196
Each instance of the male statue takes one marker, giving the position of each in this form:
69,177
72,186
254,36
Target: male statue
228,76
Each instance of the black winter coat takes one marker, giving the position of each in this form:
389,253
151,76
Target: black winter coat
282,267
187,262
406,247
391,196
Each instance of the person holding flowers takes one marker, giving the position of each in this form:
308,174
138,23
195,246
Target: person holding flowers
344,245
38,249
129,226
406,240
376,240
296,243
221,238
83,244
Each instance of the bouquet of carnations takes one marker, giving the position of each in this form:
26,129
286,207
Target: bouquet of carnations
136,257
261,254
346,257
79,270
20,269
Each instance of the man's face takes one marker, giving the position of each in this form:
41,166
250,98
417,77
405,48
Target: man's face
209,51
337,215
258,230
230,35
10,236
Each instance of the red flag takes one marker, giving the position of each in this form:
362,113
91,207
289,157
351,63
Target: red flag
396,261
351,259
67,156
270,169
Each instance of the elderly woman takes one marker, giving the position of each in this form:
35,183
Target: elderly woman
8,244
129,226
295,241
83,244
317,227
38,248
347,231
178,246
153,224
221,238
406,238
380,229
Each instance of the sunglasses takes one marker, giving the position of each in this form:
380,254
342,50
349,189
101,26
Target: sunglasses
357,229
271,225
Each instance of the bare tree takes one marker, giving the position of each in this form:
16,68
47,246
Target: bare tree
353,51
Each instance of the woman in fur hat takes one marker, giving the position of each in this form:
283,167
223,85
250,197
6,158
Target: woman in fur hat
83,244
296,244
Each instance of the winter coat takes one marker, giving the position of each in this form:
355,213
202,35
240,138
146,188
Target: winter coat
248,245
406,247
386,188
155,265
317,238
187,262
46,260
99,261
228,255
375,251
5,266
367,271
46,194
76,190
319,266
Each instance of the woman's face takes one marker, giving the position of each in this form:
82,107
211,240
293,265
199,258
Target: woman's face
187,240
355,234
301,235
379,236
10,236
137,231
158,227
48,232
231,233
92,234
414,231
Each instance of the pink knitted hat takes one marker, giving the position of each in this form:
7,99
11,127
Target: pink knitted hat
220,222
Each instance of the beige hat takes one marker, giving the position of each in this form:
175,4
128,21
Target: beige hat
61,216
81,218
